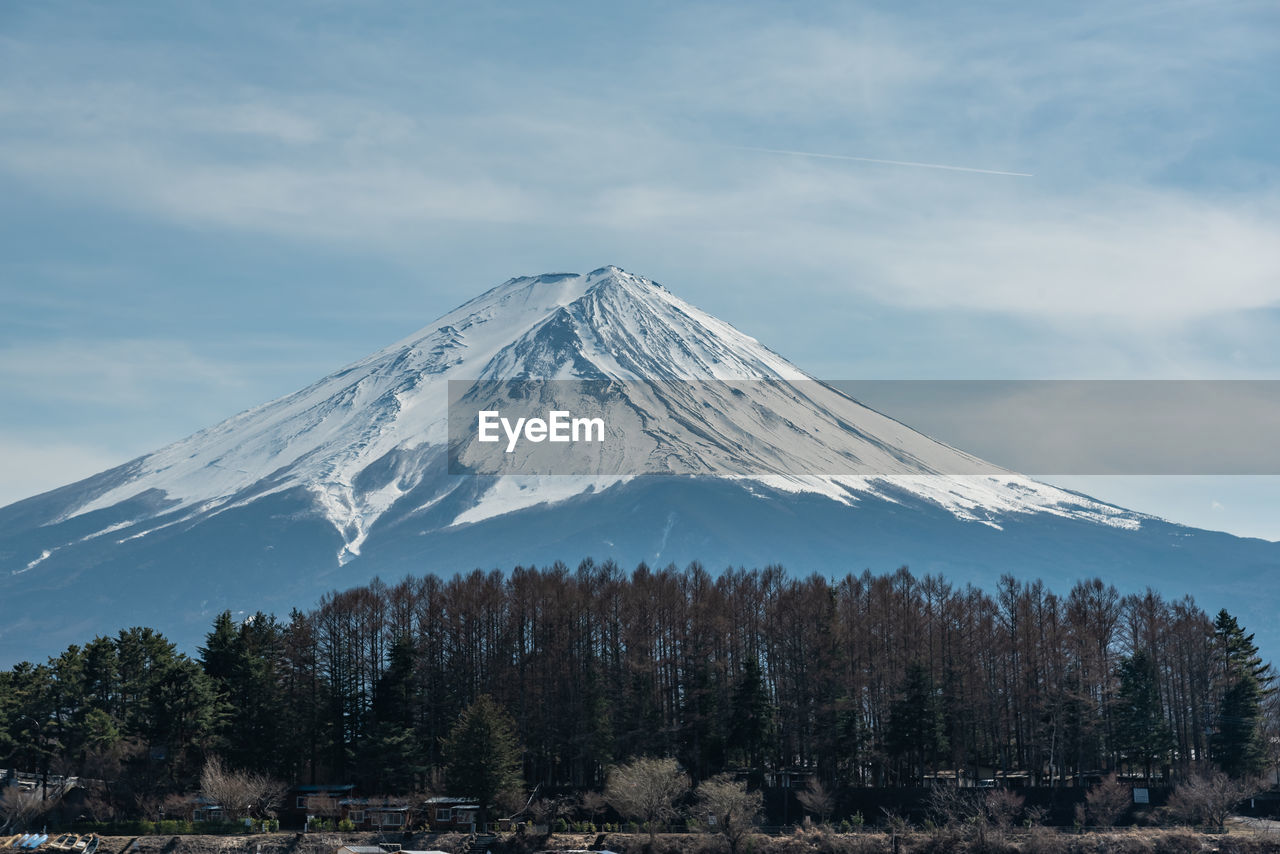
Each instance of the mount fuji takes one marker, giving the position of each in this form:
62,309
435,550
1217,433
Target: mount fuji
351,478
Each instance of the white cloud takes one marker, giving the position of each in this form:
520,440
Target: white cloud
116,373
1138,255
1150,257
437,150
1090,235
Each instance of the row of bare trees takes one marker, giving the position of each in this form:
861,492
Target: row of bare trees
865,680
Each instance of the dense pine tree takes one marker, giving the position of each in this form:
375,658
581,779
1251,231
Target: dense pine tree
916,727
751,717
394,761
1141,731
241,661
482,759
1238,743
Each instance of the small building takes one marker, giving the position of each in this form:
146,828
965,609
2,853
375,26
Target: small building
443,813
788,778
322,801
202,809
376,814
193,808
979,777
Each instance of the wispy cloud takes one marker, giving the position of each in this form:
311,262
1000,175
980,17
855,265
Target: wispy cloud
921,243
116,373
1146,208
887,162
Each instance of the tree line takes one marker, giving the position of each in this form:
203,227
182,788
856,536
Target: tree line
862,680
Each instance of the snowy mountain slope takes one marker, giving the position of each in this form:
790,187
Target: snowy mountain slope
361,438
350,476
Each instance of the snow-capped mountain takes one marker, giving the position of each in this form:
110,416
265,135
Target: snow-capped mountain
362,438
350,477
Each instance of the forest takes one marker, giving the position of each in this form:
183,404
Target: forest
864,680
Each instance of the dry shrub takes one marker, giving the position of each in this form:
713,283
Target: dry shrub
706,843
1004,806
824,840
865,843
949,806
944,840
1124,843
674,843
628,844
20,808
1247,845
1178,842
991,845
1209,797
452,842
1044,841
818,839
1107,801
952,840
611,841
797,843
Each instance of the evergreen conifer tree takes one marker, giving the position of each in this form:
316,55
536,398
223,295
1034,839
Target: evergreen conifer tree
1142,733
916,723
1238,744
482,759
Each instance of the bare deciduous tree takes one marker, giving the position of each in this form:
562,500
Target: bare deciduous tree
951,805
20,807
239,793
269,796
646,790
816,800
595,804
1004,806
734,809
1209,798
177,806
1107,801
98,805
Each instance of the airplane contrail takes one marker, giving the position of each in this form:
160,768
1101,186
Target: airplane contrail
886,162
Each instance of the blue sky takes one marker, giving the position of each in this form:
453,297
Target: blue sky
204,206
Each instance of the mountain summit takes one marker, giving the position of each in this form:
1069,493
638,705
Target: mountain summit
350,477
